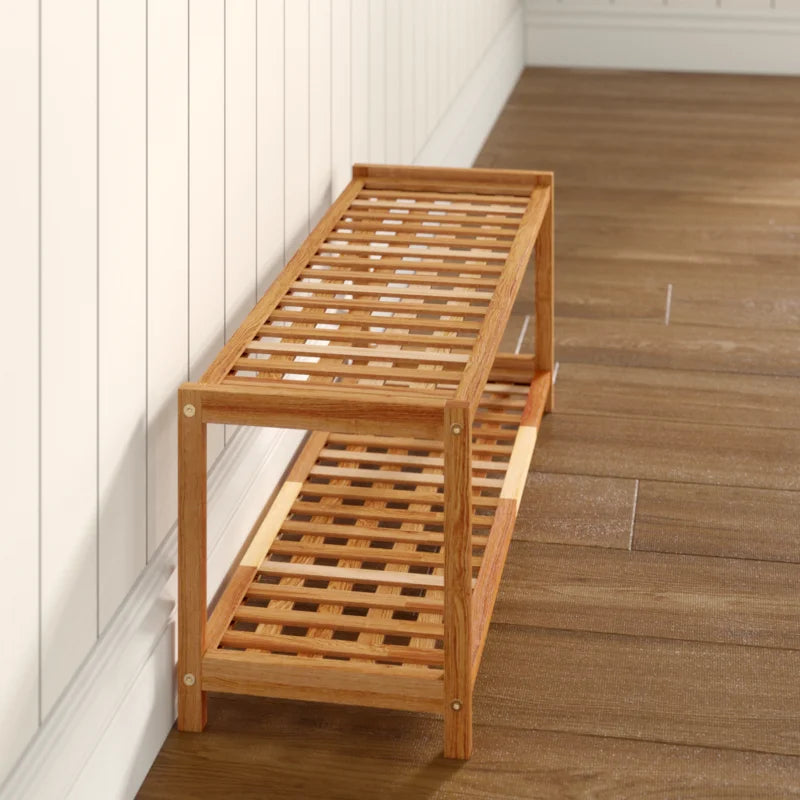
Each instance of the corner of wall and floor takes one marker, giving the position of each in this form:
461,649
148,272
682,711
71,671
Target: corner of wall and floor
737,36
100,721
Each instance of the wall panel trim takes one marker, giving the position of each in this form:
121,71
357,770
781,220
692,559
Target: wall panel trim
663,38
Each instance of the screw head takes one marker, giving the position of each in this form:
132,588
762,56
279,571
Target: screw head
455,429
188,679
456,705
188,410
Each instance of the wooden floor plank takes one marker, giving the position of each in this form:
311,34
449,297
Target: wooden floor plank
633,687
577,510
692,598
724,521
261,742
758,401
642,343
627,447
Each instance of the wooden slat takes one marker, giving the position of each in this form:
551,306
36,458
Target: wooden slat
396,535
351,682
463,195
331,647
329,287
255,319
491,220
412,444
461,309
421,178
399,477
388,495
488,581
399,223
374,513
467,254
341,622
335,370
463,208
419,263
457,326
345,598
380,274
361,353
344,334
366,555
409,460
352,575
430,237
233,595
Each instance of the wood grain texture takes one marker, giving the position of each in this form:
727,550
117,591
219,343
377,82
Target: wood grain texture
636,687
691,598
627,447
254,743
192,558
760,401
725,521
457,581
576,510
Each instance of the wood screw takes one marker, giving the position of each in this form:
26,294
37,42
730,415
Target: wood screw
455,429
188,678
188,410
456,705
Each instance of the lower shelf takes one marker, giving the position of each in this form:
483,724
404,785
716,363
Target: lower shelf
340,595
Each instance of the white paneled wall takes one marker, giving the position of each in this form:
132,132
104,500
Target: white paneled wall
19,326
747,36
161,161
69,341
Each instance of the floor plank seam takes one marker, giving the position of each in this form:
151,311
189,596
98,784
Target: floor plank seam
645,740
648,637
633,513
669,304
683,481
668,368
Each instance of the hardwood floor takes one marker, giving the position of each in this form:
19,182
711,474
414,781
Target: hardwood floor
646,641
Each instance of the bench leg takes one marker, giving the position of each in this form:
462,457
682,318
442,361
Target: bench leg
191,562
544,258
457,581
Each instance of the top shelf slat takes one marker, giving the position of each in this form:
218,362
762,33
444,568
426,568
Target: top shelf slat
386,315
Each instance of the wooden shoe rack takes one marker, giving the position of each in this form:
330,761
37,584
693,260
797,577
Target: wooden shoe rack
372,577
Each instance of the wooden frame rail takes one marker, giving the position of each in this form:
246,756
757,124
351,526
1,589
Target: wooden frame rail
372,576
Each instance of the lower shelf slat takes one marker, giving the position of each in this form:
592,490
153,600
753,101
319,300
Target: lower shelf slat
340,595
408,688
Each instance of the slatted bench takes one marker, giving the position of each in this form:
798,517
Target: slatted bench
372,577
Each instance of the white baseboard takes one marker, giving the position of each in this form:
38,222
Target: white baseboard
104,733
663,38
459,136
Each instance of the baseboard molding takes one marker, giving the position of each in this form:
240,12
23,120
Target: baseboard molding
103,734
663,39
459,136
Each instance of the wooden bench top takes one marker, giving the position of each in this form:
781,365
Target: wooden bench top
406,285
